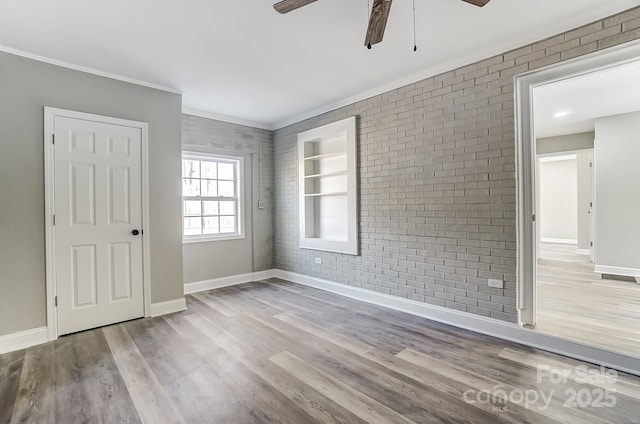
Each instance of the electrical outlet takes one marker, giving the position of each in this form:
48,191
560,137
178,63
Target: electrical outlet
318,261
260,204
498,284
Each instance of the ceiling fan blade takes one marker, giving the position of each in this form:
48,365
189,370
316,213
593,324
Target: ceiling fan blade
286,6
377,22
478,3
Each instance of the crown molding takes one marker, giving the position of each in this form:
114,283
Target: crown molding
85,69
592,15
225,118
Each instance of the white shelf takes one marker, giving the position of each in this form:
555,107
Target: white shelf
328,188
333,193
327,174
327,155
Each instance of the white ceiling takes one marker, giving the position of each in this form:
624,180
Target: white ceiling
242,60
582,99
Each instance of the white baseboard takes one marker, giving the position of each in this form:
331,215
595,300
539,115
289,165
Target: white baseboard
616,270
477,323
558,241
232,280
23,339
168,307
583,251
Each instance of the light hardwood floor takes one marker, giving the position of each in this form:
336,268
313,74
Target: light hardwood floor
276,352
577,304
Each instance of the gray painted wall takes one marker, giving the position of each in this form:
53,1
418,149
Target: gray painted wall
437,180
558,199
565,143
209,260
617,202
26,86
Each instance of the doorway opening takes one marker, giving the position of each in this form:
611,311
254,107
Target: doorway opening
578,236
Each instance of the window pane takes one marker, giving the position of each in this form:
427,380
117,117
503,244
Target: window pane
226,189
190,187
209,188
192,208
226,171
203,182
209,170
191,168
192,226
227,208
211,225
211,208
227,224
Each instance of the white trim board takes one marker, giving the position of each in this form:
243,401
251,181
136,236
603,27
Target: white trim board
558,241
476,323
616,270
232,280
168,307
35,336
228,119
23,339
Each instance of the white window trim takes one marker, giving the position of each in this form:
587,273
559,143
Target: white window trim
191,154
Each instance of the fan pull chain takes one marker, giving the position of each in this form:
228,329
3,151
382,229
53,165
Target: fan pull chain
368,11
415,45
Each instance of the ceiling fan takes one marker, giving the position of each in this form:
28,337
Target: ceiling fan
377,20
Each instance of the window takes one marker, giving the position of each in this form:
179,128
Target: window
211,197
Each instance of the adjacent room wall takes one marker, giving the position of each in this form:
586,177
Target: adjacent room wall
565,143
559,199
437,180
617,202
215,259
26,86
582,145
585,197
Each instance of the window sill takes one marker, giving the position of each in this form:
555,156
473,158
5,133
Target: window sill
212,239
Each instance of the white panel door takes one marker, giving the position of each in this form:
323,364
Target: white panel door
98,211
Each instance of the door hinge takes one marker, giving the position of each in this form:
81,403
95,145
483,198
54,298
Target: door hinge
55,299
533,217
53,139
590,164
54,220
591,244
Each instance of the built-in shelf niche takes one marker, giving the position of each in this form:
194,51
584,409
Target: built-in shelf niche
328,188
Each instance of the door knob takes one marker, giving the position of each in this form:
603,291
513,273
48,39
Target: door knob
135,232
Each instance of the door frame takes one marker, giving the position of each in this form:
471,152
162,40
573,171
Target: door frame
526,231
49,190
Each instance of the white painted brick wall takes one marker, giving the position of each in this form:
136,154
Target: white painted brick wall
437,180
232,139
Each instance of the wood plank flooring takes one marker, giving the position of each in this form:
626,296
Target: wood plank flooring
276,352
563,252
576,303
